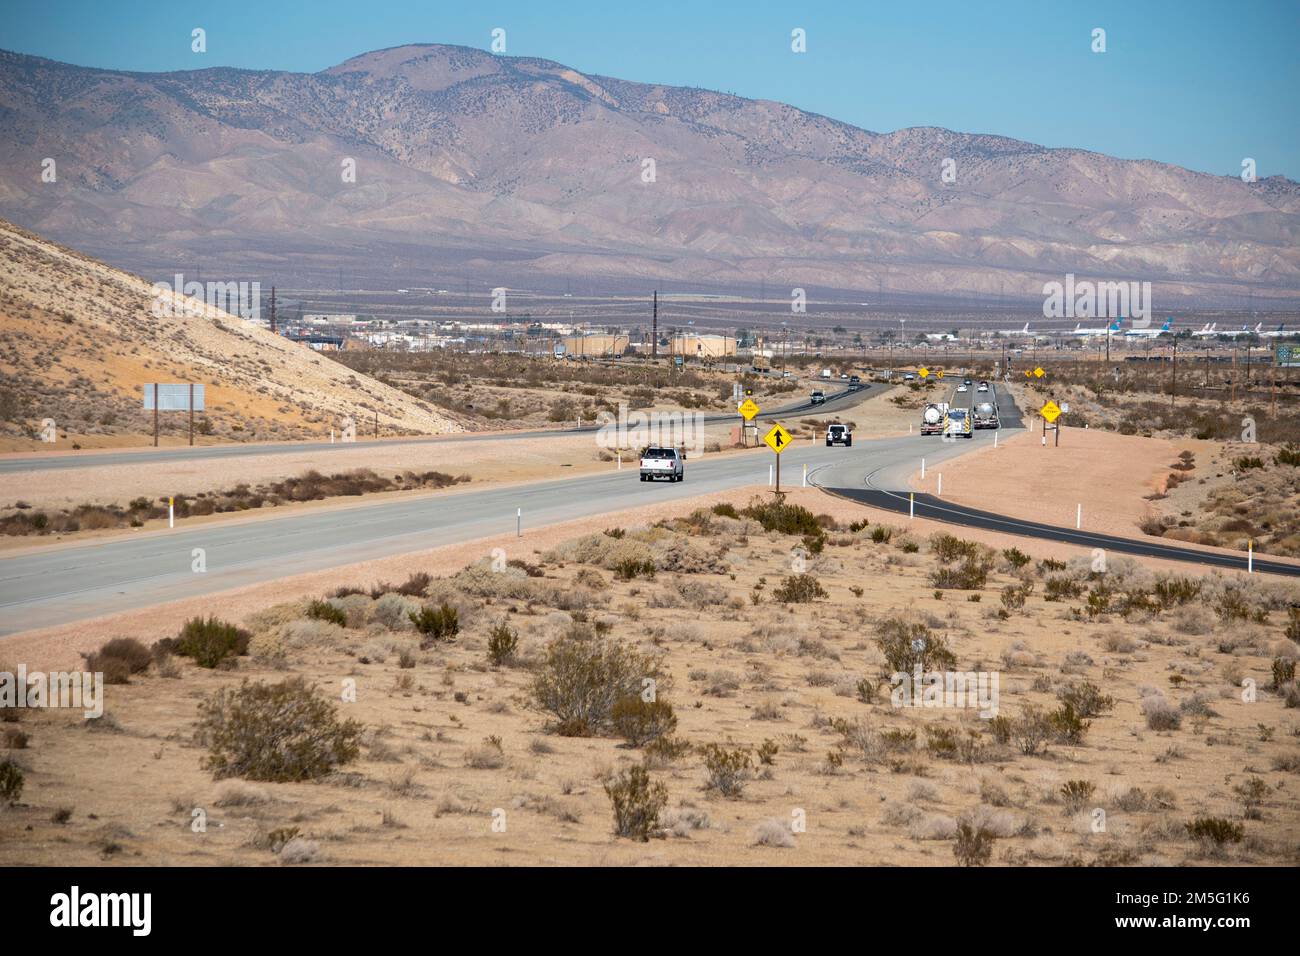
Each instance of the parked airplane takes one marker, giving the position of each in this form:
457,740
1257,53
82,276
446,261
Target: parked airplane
1206,331
1151,333
1259,326
1277,333
940,337
1100,330
1024,331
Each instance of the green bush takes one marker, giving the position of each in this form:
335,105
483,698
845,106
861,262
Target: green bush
583,678
630,568
324,611
118,659
799,589
502,644
784,518
1016,558
1075,794
637,803
209,642
1067,725
1176,591
640,722
277,732
436,624
726,510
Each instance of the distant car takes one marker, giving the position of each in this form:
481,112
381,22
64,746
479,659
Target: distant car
966,381
844,376
963,388
818,397
855,380
982,387
909,377
662,463
839,435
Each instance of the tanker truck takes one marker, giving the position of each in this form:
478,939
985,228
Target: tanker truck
932,418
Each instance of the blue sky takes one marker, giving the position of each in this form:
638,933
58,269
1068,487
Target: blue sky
1201,84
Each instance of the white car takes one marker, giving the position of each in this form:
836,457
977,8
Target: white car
839,435
662,463
982,387
962,388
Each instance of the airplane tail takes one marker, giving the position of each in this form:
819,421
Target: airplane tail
1115,326
1168,326
1259,327
1026,328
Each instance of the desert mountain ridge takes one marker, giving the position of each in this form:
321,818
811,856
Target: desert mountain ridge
81,339
504,171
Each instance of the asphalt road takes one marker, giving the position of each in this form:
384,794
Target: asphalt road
835,400
66,584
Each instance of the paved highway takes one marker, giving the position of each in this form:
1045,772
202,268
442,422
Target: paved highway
834,401
65,584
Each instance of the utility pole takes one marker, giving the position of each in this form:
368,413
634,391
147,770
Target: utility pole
1173,384
272,313
155,414
654,326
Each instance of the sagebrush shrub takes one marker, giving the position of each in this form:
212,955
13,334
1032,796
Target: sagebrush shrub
799,589
727,769
637,803
583,678
277,732
325,611
11,781
436,624
907,646
640,722
973,846
502,644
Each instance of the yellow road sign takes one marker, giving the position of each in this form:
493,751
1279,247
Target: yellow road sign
1051,411
777,439
939,373
924,373
748,409
1039,373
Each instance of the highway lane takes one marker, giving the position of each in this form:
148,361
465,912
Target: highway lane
835,401
64,584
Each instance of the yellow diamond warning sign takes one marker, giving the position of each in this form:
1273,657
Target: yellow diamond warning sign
924,373
777,439
1051,411
1039,373
748,409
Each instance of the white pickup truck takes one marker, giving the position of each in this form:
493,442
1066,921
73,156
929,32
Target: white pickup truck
662,463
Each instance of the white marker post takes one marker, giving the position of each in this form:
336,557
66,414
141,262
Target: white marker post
171,512
519,522
923,469
940,491
1250,555
331,436
1078,517
769,476
619,453
911,505
995,438
805,475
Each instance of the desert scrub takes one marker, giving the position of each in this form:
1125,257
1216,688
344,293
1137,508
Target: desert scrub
503,642
728,770
209,642
799,589
582,678
436,624
11,781
324,611
637,803
1086,698
640,722
973,846
119,659
277,732
908,645
1214,832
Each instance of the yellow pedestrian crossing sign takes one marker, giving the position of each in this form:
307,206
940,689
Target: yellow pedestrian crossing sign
1051,411
777,439
1039,373
748,409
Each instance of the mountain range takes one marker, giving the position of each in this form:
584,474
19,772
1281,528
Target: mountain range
477,170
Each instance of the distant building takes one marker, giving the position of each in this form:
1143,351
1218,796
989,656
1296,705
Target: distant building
599,345
691,345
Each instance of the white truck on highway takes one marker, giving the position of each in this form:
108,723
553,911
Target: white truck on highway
986,414
662,463
932,418
957,424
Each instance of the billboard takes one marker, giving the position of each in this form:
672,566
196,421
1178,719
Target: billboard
173,398
1287,356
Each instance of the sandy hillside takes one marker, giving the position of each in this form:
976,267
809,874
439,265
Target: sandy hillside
452,744
81,338
1110,475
